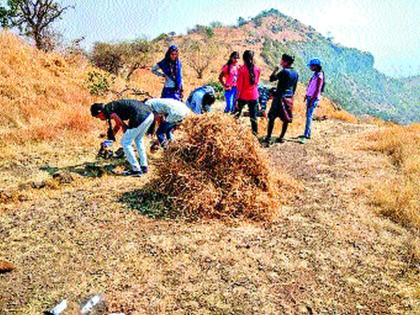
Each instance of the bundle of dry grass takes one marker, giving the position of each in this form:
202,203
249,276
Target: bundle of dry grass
217,170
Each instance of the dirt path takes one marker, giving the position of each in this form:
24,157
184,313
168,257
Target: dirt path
327,253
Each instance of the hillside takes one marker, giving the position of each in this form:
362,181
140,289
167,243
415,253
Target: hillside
353,82
345,239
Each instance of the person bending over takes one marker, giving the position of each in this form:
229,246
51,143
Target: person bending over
201,99
172,112
282,105
139,117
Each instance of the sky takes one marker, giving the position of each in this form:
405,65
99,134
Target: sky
389,29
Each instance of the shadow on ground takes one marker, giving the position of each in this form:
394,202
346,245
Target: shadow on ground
87,169
148,203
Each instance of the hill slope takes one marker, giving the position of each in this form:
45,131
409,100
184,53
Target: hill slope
353,82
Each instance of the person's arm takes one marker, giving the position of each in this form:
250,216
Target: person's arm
295,86
257,76
118,124
274,75
239,84
222,76
157,71
181,87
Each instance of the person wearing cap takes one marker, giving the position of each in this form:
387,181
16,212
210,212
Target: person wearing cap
201,99
139,118
172,112
313,94
170,68
282,105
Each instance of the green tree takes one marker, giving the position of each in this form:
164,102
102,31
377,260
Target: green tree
122,58
33,19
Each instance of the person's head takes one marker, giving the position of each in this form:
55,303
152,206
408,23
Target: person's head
208,99
248,58
233,58
315,65
287,60
97,111
172,53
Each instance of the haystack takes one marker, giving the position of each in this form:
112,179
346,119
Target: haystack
217,170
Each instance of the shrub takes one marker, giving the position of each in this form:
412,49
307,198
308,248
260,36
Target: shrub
99,83
218,88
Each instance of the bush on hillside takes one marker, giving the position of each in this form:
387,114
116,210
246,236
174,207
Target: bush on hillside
123,58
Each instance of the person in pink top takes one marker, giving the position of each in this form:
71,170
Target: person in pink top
228,78
313,94
248,79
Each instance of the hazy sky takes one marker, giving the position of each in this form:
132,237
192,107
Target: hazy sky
389,29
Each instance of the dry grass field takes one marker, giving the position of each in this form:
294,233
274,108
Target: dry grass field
344,240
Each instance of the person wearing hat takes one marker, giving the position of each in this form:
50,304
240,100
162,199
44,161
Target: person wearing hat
139,118
313,94
282,105
170,68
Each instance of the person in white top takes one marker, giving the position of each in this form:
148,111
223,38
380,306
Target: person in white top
173,112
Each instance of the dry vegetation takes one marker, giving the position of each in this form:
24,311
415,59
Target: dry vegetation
86,231
217,170
398,196
42,94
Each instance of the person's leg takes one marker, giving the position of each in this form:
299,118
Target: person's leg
309,117
272,115
283,130
164,132
126,142
161,132
237,112
270,128
139,140
229,101
252,105
169,131
233,99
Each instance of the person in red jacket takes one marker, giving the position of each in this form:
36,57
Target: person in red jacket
247,85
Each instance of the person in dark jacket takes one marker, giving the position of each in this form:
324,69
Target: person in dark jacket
282,105
134,118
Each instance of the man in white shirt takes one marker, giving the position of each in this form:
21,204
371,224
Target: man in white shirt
173,111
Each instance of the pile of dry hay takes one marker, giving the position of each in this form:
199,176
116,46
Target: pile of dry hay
217,170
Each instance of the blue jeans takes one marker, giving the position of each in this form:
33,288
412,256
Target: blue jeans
230,96
136,135
164,132
309,115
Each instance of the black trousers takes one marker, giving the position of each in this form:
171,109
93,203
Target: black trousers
253,109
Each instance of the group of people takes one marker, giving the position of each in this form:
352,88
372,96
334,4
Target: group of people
241,88
241,84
